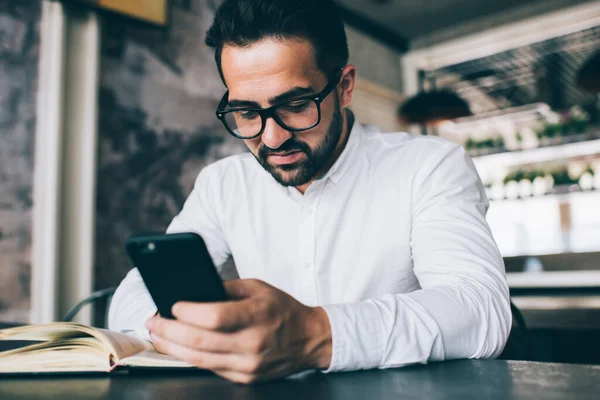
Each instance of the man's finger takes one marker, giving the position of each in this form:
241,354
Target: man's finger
237,377
243,288
205,360
224,317
194,337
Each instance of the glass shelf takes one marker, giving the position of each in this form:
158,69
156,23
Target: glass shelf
553,279
564,196
539,155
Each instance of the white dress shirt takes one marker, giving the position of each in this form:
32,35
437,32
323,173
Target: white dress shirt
392,242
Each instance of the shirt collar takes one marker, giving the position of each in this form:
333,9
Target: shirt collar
346,159
349,154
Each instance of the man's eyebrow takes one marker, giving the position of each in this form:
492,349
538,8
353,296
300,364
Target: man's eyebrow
280,98
291,94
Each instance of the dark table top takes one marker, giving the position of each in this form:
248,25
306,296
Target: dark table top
464,379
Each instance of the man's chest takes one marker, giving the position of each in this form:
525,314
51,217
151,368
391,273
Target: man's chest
330,246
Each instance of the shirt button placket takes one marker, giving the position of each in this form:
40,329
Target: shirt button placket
307,254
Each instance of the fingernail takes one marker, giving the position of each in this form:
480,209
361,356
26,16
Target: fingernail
154,337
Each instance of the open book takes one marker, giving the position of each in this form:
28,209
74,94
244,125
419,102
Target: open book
68,347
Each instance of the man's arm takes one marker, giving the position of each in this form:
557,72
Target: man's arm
132,305
462,310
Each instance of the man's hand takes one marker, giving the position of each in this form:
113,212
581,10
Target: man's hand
262,334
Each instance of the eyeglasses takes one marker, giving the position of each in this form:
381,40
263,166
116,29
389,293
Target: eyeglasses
300,114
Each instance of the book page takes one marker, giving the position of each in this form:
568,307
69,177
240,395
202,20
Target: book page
80,354
122,345
46,332
71,360
152,358
62,344
116,345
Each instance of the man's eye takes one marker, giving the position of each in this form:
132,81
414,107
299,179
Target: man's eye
248,114
295,106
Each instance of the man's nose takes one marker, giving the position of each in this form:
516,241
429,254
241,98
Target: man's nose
274,135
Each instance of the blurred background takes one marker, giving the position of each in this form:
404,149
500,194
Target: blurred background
107,115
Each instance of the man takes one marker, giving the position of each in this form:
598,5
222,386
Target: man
365,250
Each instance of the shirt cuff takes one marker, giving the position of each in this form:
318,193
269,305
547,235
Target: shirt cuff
356,335
141,331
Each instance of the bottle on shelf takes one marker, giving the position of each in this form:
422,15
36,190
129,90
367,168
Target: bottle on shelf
497,191
586,181
549,182
511,190
525,188
540,186
596,176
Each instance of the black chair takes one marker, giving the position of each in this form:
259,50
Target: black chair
518,346
105,294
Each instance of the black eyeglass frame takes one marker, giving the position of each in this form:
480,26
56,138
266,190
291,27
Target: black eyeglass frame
266,113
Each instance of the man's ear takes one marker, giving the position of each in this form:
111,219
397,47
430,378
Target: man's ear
346,86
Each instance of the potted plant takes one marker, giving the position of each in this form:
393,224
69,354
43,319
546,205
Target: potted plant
563,183
579,120
499,143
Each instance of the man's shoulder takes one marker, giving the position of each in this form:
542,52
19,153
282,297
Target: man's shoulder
232,172
231,164
404,147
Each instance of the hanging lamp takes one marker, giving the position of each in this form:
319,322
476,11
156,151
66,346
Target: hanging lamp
588,76
431,108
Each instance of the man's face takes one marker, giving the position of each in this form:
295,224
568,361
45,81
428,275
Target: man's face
270,72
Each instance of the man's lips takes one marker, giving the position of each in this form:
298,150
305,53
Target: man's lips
288,157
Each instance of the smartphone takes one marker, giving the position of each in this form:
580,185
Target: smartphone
176,267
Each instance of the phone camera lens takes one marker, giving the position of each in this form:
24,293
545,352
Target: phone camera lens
151,246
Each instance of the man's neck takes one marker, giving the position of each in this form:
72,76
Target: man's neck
347,126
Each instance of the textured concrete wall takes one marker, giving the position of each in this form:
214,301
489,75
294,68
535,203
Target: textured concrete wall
157,127
19,49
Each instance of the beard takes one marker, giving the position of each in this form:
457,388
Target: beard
302,172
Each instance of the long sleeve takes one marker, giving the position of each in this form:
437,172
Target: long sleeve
132,305
462,309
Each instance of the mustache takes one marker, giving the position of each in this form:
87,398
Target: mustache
289,146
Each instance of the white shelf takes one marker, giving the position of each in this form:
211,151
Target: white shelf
554,279
540,154
562,197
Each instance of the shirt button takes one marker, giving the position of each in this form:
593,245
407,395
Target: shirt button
307,265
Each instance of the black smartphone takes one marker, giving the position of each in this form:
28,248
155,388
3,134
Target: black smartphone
176,267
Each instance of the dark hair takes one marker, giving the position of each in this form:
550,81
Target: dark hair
244,22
